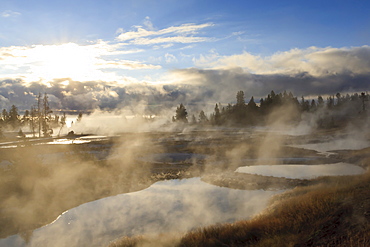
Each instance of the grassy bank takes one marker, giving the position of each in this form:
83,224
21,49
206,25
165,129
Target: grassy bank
331,212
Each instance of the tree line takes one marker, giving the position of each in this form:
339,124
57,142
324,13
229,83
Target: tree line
336,107
39,119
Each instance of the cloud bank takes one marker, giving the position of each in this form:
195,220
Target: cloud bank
312,71
214,78
313,60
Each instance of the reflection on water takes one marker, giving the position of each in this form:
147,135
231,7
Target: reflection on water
9,146
338,144
303,171
167,206
68,141
51,140
79,140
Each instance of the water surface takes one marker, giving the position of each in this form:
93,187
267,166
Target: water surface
167,206
303,171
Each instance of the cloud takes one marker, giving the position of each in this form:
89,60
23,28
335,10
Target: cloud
164,46
304,72
170,58
314,61
187,47
176,39
311,71
120,30
4,102
127,65
67,94
148,24
224,83
9,13
175,34
182,29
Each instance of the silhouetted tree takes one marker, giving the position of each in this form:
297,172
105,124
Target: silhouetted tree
181,114
13,119
364,98
63,120
339,99
272,94
239,113
5,116
32,121
39,113
253,112
46,117
202,117
55,121
330,102
26,118
240,102
217,115
305,106
313,105
252,106
320,101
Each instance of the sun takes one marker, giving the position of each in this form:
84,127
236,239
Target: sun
66,61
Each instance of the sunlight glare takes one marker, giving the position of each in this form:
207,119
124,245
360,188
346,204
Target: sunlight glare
67,61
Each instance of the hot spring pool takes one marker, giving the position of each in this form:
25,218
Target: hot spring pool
303,171
166,206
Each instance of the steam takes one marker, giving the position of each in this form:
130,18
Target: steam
35,192
169,206
45,189
104,123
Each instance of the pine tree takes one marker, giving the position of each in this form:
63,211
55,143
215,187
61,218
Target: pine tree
13,119
63,120
33,115
46,117
252,105
202,117
240,102
181,114
313,106
217,115
39,113
320,101
5,116
26,118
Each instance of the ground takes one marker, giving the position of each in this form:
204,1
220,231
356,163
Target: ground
45,180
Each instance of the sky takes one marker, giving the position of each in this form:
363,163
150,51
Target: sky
88,54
